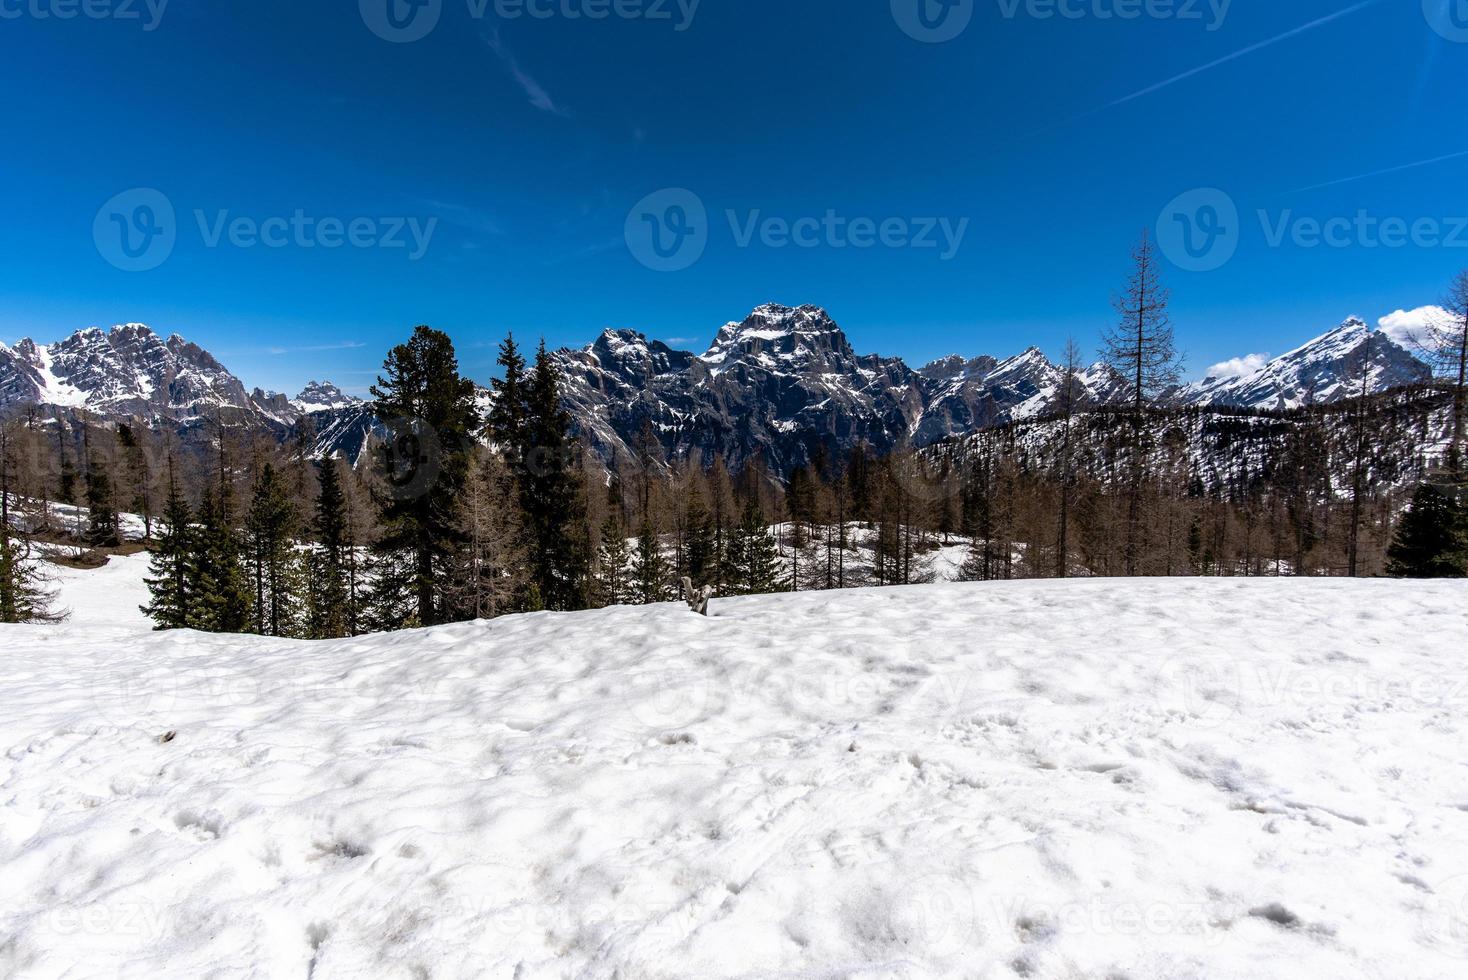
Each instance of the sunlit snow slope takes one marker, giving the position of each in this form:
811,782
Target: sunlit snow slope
1221,779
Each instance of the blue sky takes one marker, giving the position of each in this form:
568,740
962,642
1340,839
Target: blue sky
524,143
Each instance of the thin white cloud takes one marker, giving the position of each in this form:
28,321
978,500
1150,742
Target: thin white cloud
1237,367
1190,73
1409,327
316,349
539,97
1259,46
1378,173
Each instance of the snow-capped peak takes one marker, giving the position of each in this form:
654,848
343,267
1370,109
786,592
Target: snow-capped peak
323,396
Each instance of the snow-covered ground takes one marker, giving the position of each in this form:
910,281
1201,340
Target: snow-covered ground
1139,779
112,595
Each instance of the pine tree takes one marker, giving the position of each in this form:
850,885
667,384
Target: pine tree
755,557
700,555
614,587
171,564
273,564
432,412
508,422
1432,538
330,585
551,495
219,595
649,569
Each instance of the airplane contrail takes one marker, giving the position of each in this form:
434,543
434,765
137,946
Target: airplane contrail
1303,28
1378,173
1318,22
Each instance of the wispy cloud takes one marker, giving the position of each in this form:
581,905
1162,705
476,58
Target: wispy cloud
1379,173
472,219
1217,62
539,97
314,349
1259,46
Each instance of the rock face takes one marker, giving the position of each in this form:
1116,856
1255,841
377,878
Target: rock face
784,385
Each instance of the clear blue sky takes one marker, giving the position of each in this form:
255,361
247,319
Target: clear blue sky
529,139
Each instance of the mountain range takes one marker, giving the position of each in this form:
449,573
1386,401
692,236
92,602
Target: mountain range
784,384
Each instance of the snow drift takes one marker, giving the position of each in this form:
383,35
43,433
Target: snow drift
1201,778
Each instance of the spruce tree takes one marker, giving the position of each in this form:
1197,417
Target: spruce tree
219,595
754,557
430,410
550,494
700,553
273,564
649,568
102,521
508,422
1432,539
612,579
330,591
171,564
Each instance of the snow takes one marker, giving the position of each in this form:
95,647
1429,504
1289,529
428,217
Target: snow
107,596
1187,778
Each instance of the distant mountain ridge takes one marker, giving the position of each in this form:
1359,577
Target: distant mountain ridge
783,385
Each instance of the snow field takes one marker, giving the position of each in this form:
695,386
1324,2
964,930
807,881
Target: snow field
1119,778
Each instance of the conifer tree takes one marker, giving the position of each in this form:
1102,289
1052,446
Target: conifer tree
754,557
330,593
219,596
431,410
273,564
171,563
551,495
700,555
649,569
508,422
1432,538
612,579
